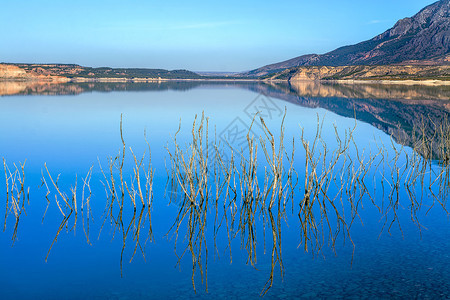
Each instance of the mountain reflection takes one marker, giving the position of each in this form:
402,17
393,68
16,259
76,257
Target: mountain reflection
421,94
398,110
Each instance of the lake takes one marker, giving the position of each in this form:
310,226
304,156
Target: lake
302,190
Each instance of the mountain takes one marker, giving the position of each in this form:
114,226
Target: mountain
376,72
422,39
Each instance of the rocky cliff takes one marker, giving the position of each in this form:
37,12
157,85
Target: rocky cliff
11,71
394,72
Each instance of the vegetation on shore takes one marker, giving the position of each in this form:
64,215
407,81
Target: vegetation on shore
73,71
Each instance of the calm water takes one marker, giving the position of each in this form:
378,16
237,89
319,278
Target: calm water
70,128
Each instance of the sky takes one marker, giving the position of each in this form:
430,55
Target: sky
233,35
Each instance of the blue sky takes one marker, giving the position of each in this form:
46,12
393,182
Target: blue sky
196,35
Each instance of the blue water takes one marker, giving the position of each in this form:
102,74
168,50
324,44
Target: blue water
72,133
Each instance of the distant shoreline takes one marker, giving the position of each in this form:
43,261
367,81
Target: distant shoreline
62,80
66,73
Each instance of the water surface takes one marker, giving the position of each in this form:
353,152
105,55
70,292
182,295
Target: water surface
393,244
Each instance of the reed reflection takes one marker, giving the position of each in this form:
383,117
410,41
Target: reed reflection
245,194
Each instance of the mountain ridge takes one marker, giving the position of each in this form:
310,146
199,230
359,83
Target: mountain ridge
423,37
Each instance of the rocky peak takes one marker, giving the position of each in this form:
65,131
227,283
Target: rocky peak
424,38
436,14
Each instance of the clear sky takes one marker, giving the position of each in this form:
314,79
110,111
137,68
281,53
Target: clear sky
233,35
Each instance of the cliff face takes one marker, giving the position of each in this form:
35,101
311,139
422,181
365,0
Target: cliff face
11,71
424,37
363,73
19,73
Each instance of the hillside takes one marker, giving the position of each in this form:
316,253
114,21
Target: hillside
393,72
421,39
71,72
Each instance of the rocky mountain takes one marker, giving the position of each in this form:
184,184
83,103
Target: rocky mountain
421,39
377,72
